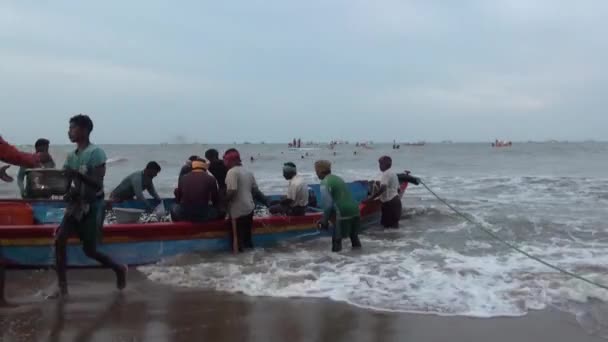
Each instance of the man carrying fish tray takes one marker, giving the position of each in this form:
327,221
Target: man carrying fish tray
11,155
86,168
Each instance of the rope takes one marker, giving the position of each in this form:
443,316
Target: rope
512,246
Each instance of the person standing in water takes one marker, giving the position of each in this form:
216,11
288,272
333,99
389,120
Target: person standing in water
84,214
41,146
11,155
337,200
241,190
388,193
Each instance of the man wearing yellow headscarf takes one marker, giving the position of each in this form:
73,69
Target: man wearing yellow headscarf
196,195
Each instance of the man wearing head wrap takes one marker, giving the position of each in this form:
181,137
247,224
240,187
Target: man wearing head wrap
241,190
187,167
296,200
337,200
11,155
388,193
196,195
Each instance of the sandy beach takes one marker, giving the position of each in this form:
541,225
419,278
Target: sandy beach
151,312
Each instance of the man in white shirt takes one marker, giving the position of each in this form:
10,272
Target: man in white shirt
241,190
388,193
294,204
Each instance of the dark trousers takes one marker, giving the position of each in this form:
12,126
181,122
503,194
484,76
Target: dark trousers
244,227
391,213
68,226
342,228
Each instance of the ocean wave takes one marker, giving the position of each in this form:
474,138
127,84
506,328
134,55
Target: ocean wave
425,279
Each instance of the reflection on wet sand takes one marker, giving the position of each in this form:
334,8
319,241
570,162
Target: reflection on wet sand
151,312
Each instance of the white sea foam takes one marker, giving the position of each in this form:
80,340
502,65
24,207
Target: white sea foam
439,263
423,280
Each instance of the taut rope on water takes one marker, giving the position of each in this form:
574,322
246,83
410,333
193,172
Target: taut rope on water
512,246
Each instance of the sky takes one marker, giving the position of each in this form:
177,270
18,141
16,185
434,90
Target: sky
270,70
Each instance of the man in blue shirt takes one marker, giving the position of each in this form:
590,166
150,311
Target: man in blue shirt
133,186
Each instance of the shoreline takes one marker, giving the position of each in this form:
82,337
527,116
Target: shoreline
147,311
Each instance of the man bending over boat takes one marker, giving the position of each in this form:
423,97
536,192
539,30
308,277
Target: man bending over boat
388,193
194,192
337,200
84,214
41,146
133,186
241,189
294,204
11,155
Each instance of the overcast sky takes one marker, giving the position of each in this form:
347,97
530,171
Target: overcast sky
269,70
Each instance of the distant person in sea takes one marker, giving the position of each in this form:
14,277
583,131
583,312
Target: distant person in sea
41,146
217,168
188,166
338,201
388,193
241,190
196,195
84,214
296,200
11,155
133,186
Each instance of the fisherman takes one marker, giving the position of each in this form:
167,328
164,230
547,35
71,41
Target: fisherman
388,193
217,168
10,154
41,146
241,190
337,200
294,204
84,215
188,166
134,185
194,192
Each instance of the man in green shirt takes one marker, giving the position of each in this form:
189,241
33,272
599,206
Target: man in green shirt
41,146
84,214
134,185
337,200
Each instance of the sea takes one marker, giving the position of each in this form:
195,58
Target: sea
549,199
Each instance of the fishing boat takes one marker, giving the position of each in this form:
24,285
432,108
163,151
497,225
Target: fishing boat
32,245
501,143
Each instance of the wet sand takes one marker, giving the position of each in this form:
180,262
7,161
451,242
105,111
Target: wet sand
146,311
